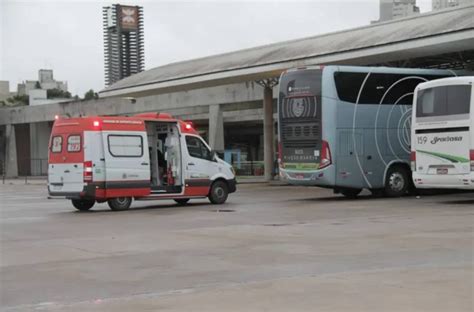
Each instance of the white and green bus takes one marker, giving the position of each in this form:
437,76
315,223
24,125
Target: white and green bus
348,127
442,153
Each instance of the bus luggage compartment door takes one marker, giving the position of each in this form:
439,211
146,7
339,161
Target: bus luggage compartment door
350,151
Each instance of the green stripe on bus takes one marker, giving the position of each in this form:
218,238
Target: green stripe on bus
451,158
301,166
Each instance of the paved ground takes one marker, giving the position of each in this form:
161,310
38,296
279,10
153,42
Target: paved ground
280,249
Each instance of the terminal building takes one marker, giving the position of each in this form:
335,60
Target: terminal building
231,97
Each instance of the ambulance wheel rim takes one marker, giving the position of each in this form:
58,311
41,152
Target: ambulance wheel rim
219,191
120,203
121,200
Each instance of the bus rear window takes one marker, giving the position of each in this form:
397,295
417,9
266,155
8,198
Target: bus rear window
57,144
443,101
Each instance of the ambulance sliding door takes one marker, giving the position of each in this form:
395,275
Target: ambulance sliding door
127,163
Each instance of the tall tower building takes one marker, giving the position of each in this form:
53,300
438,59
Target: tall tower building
444,4
123,41
392,9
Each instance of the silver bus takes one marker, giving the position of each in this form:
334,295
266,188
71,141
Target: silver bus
348,127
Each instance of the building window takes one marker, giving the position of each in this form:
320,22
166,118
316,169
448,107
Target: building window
125,145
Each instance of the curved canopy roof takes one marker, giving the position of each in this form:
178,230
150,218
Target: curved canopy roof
270,60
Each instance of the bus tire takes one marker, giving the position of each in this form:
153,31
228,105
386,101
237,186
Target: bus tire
350,193
119,203
397,181
181,201
219,192
82,204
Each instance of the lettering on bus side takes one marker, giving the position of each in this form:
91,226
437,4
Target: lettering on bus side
300,158
446,139
421,140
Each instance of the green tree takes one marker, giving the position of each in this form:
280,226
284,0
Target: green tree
91,95
18,100
57,93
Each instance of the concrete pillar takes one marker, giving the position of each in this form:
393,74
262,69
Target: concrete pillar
216,128
11,160
268,149
39,142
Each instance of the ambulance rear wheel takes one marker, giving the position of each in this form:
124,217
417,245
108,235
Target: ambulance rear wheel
119,203
219,192
82,204
182,201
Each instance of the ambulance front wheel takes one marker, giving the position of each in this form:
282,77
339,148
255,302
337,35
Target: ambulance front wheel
219,192
119,203
82,204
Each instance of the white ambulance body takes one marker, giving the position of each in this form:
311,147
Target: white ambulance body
443,134
148,156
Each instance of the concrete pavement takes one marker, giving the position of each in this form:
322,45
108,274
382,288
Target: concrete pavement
276,249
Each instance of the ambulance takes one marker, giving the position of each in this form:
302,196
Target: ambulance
120,159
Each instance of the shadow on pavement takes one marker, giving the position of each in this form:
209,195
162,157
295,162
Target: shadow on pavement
175,207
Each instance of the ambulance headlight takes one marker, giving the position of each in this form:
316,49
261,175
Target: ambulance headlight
232,170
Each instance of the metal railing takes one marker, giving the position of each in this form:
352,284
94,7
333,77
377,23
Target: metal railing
2,168
249,168
28,168
38,167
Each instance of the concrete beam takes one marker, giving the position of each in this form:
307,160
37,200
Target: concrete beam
232,116
268,132
216,128
11,161
186,102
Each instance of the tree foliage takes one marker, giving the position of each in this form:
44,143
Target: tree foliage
91,95
18,100
57,93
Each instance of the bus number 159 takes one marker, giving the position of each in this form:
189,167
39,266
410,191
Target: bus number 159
422,139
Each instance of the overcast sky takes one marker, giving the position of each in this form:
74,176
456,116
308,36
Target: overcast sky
66,36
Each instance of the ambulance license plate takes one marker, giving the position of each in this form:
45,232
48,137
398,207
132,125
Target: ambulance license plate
442,171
